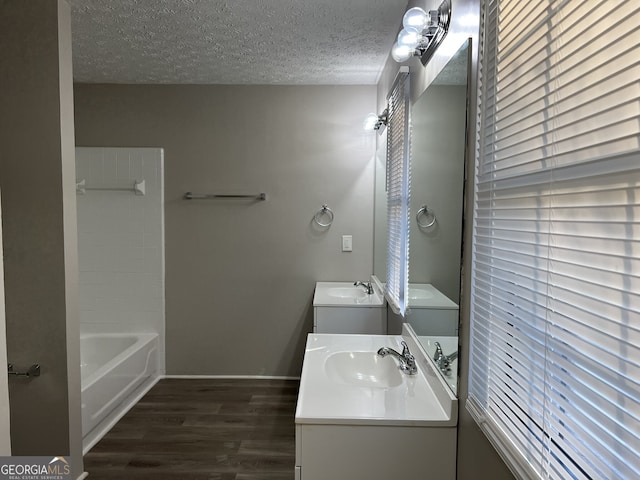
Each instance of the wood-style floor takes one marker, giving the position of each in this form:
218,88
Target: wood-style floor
187,429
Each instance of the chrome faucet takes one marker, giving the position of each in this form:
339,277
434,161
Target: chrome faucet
443,361
407,361
367,285
438,353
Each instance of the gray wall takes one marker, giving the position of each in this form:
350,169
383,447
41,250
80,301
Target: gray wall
240,274
475,453
39,226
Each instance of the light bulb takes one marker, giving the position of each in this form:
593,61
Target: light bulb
409,39
415,20
401,53
370,122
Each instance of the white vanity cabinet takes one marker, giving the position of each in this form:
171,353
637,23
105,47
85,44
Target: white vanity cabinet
372,452
341,307
359,417
362,320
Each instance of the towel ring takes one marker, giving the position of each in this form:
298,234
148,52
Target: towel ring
430,216
324,211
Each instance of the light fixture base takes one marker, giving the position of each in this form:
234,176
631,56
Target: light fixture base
441,20
383,119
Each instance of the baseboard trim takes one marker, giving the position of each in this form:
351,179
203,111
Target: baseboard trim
231,377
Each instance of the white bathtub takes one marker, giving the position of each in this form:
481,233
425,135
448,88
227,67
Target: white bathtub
116,370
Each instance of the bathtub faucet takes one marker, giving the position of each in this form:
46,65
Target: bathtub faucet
367,286
407,361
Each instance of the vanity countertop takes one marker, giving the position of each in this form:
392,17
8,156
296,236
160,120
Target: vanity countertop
345,294
425,295
344,381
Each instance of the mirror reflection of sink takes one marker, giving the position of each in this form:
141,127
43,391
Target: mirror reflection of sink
419,294
364,369
346,292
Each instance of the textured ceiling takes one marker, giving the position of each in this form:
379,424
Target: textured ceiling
289,42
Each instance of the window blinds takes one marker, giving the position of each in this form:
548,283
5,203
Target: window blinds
398,181
555,350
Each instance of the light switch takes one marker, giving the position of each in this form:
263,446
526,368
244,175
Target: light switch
347,243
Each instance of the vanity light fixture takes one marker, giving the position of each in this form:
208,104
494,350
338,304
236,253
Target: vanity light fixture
422,33
376,122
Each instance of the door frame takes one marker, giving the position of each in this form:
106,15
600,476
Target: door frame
5,431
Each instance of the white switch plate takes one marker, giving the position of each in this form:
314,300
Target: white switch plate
347,243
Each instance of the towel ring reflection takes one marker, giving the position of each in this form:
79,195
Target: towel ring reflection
324,211
429,215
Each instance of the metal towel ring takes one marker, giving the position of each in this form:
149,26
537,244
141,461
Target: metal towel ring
325,210
428,213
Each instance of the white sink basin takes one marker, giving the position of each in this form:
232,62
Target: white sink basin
345,382
365,369
346,292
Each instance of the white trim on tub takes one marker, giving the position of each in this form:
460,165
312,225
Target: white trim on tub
108,423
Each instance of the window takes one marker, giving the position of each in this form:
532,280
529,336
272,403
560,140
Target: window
398,182
555,352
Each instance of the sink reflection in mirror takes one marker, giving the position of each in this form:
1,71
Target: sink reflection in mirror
438,140
419,293
449,350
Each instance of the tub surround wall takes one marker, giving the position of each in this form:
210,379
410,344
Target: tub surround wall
475,453
120,242
240,274
39,227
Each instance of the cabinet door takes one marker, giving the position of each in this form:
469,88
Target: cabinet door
360,320
355,452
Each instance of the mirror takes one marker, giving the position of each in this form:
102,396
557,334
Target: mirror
438,141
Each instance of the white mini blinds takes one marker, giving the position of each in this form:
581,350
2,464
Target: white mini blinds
555,351
398,181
